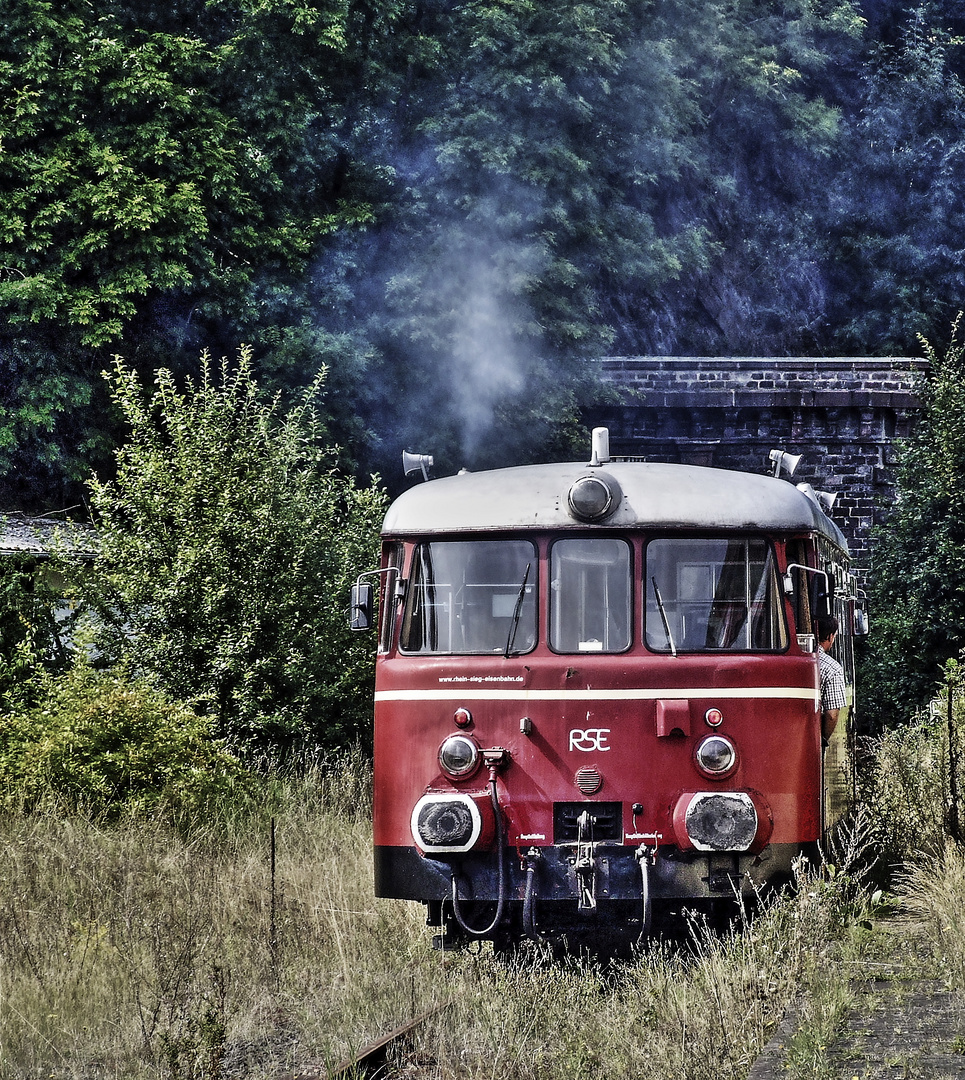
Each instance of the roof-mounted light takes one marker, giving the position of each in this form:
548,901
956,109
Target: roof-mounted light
591,498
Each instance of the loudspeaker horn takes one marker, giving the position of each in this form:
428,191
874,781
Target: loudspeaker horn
414,462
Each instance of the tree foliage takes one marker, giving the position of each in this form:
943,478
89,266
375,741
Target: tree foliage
159,170
919,555
229,541
897,235
135,161
454,206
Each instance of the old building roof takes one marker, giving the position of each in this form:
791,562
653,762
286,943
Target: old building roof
45,535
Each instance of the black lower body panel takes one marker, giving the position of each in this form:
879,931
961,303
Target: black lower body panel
603,900
405,874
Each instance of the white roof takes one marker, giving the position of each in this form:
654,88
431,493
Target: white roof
655,495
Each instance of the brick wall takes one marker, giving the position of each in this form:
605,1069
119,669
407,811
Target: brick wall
841,413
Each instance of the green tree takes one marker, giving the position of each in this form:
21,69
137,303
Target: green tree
165,173
229,543
139,160
455,206
767,85
594,177
918,571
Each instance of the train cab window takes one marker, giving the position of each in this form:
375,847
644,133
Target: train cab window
713,595
471,597
590,595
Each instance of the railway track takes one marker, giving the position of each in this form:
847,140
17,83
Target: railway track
372,1057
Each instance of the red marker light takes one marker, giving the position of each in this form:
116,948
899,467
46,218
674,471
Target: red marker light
462,718
713,718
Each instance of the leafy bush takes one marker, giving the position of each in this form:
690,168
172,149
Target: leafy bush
98,744
914,776
229,542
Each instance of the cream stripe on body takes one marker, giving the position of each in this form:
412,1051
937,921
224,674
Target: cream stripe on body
474,693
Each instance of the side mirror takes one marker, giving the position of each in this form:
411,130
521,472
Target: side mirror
861,626
363,596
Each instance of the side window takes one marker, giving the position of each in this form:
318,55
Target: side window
387,610
590,595
800,553
840,606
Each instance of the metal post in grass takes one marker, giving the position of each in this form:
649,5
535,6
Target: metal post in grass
272,927
954,823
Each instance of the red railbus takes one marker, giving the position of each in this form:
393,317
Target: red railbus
597,693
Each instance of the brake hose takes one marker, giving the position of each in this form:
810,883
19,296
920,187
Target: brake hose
529,924
501,856
645,858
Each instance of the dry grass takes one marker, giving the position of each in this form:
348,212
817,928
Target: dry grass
932,894
134,952
905,780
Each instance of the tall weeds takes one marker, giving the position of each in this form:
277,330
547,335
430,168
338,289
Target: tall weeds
136,950
701,1009
914,782
145,951
933,897
913,777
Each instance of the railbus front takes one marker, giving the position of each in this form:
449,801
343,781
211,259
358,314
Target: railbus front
597,693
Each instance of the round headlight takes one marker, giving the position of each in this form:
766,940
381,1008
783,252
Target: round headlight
721,821
716,755
593,497
459,756
446,823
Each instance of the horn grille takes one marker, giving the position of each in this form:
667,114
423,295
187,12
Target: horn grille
588,780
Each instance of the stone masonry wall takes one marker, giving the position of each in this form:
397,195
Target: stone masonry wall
841,413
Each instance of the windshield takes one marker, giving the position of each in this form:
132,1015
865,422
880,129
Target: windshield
475,596
713,595
590,598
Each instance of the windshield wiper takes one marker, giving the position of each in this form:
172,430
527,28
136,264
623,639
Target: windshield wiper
517,611
663,616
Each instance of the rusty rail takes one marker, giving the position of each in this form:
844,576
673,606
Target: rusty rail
371,1057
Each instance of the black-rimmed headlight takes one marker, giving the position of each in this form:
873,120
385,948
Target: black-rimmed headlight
459,757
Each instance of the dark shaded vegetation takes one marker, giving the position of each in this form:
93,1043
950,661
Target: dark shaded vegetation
455,207
918,572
